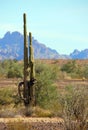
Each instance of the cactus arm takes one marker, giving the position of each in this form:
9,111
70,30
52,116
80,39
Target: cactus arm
31,58
32,71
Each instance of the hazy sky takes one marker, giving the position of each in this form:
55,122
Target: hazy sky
59,24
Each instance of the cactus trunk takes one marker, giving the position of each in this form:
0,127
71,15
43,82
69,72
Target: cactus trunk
26,74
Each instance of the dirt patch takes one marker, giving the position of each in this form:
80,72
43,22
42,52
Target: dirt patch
31,124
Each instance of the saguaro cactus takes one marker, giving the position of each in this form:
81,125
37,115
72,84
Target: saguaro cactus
25,50
27,93
26,74
32,70
31,58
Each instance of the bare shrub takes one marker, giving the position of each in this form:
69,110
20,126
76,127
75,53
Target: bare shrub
75,107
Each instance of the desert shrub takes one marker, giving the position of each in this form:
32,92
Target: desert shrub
11,69
4,65
10,102
6,96
75,107
69,67
85,72
15,71
46,91
75,70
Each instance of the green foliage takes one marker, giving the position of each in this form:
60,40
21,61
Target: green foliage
75,70
11,69
6,95
70,66
15,71
84,71
46,91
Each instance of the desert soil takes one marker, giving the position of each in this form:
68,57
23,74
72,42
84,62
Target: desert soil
31,123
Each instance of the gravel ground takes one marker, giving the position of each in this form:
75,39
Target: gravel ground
32,123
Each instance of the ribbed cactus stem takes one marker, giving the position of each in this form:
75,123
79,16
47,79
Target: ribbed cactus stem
26,73
25,50
32,71
31,59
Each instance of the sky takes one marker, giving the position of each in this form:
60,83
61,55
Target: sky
59,24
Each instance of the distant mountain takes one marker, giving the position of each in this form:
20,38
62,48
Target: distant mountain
79,54
11,47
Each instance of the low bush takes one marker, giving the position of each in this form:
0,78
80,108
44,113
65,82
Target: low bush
46,90
74,104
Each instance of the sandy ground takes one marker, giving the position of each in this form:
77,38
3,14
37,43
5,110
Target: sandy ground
32,123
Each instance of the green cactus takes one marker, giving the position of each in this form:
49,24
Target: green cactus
31,58
32,70
26,74
25,51
28,93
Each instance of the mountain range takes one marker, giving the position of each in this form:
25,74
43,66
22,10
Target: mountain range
11,47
